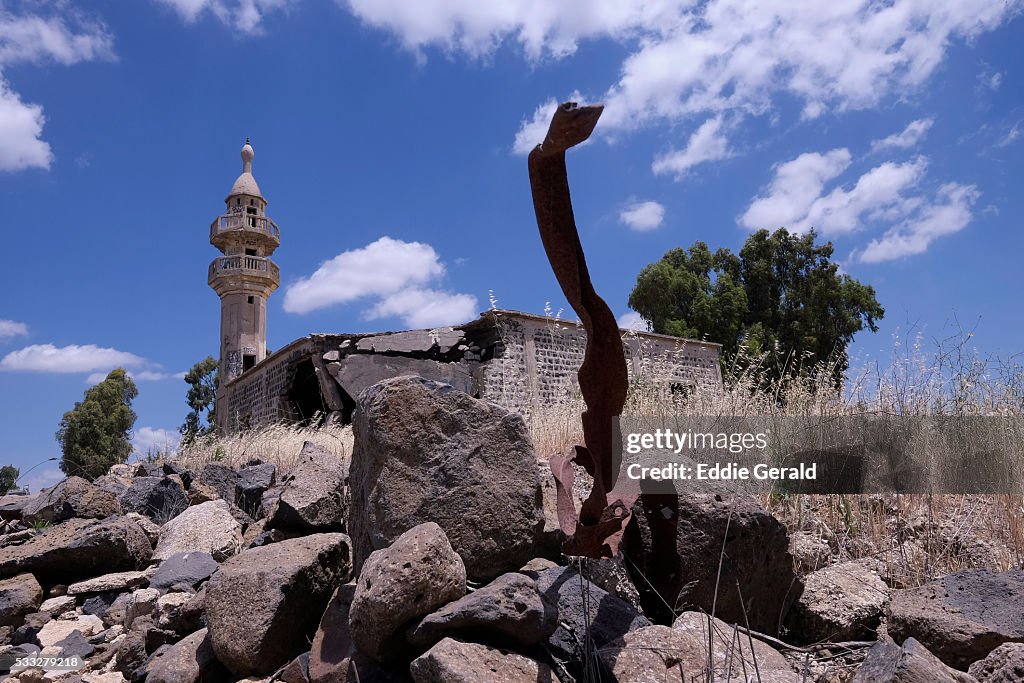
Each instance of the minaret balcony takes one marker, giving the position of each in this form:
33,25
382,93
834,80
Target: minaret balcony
229,272
230,226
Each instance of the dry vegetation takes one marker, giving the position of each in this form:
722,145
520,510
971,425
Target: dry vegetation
914,537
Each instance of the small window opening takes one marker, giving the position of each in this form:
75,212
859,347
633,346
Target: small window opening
248,362
252,299
250,252
251,210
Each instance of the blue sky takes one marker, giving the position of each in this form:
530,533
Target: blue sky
390,140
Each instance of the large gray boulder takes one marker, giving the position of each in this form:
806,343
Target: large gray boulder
263,605
963,616
253,482
1005,664
313,497
418,573
841,602
887,662
426,452
510,608
78,549
187,568
585,608
190,660
73,497
734,531
454,661
19,595
219,478
159,498
208,527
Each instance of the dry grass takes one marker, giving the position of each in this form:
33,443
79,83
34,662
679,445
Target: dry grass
276,443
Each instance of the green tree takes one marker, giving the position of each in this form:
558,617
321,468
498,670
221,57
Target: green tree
95,434
202,396
8,478
781,299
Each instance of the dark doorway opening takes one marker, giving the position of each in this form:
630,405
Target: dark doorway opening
304,396
248,362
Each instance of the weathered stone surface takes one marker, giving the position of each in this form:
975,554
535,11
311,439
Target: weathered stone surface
148,526
887,662
755,561
963,616
168,609
190,660
159,498
1005,664
57,630
111,582
12,506
587,609
417,574
101,677
297,670
19,595
809,550
115,485
73,497
57,605
313,497
729,656
141,604
510,608
220,478
427,452
253,481
184,568
653,654
208,527
78,548
452,661
841,602
264,604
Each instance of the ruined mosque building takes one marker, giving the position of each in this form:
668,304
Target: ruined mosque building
519,360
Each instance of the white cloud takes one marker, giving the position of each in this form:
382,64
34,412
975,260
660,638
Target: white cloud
643,216
68,359
531,133
392,273
36,39
689,58
633,321
21,129
797,184
420,308
906,138
32,38
141,376
379,269
949,213
244,15
150,439
1012,136
11,328
706,144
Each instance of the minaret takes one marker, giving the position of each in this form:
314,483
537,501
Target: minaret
244,277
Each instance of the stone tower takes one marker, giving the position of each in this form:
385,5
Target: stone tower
244,277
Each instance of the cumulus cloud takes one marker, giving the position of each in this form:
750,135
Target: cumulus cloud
687,59
706,144
11,328
393,274
889,194
633,321
643,216
797,185
68,359
244,15
906,138
37,39
147,440
419,308
140,376
950,212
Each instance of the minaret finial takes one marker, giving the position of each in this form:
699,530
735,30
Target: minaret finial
247,155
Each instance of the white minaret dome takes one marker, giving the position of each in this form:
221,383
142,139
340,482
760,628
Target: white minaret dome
246,183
